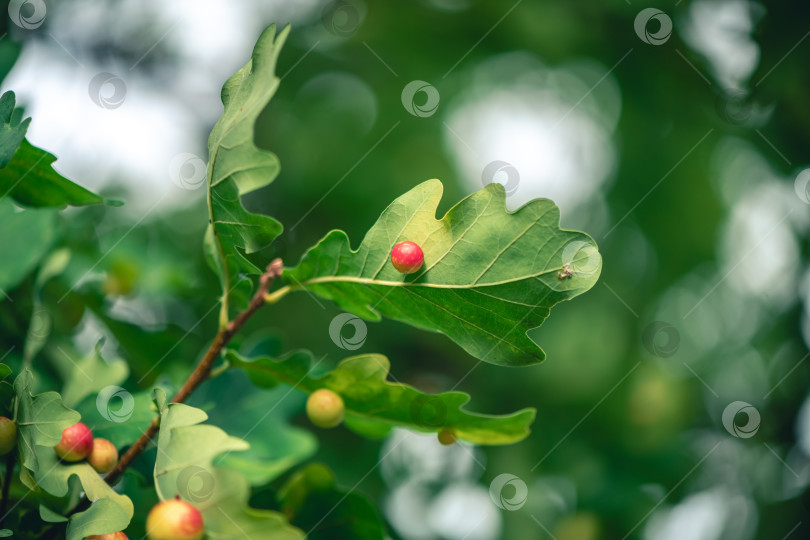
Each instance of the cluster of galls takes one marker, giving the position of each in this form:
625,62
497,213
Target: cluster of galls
78,444
175,519
168,520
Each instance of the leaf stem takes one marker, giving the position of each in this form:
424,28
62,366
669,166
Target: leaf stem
203,369
272,298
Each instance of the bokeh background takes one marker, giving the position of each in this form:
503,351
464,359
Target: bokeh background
673,403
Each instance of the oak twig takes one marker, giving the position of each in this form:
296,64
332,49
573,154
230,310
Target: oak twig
202,370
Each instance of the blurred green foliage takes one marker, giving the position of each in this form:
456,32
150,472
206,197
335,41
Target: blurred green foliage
629,426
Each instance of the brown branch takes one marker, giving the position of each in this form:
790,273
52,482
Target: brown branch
202,370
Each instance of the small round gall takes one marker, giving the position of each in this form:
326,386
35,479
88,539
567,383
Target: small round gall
8,435
407,257
103,457
447,437
325,408
76,443
110,536
174,519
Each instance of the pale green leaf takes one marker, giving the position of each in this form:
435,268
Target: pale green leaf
41,419
102,517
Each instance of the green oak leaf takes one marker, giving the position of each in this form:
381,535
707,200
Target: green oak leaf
489,275
236,166
103,517
27,238
374,405
92,374
30,179
316,505
183,466
40,419
110,511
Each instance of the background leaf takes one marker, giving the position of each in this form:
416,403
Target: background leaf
275,445
374,405
6,391
92,374
315,504
237,166
27,237
489,275
39,327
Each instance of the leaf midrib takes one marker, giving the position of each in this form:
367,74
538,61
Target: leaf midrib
369,415
372,281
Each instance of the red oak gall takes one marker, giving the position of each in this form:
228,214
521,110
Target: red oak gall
407,257
174,519
76,443
110,536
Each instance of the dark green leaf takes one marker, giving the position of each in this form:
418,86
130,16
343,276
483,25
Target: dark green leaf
30,179
317,506
26,173
12,129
